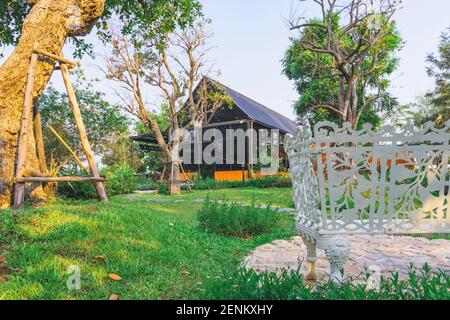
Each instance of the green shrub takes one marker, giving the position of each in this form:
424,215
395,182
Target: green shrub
146,184
211,184
247,285
231,219
269,182
164,188
120,180
76,190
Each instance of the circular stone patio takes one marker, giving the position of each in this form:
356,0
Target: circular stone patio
381,253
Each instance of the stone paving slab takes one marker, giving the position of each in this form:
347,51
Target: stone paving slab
378,252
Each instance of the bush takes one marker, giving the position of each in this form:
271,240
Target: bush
211,184
120,180
269,182
247,285
230,219
164,188
76,190
146,184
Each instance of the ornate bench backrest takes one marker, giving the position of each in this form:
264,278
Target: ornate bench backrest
373,181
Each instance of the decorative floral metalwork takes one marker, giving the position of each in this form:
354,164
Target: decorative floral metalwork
349,181
304,180
384,181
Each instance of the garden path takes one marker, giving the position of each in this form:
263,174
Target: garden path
383,254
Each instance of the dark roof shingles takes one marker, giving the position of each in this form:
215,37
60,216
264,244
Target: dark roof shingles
260,113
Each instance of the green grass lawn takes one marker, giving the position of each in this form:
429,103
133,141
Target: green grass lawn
279,197
157,249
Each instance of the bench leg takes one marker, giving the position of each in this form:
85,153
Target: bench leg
337,252
311,259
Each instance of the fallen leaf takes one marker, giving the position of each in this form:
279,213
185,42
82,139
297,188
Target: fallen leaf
185,272
4,270
2,259
114,297
2,278
100,257
114,277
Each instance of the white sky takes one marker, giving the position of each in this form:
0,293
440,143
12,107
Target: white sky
250,37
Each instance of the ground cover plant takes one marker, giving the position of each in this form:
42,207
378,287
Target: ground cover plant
277,197
248,285
265,182
158,250
231,219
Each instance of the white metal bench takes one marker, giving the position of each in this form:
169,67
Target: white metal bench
348,182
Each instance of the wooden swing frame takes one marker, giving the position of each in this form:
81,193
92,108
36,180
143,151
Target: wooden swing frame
27,121
171,164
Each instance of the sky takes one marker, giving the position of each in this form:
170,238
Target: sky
251,36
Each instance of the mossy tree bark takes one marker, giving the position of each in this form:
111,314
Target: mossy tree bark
47,26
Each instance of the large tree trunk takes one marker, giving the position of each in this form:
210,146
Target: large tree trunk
172,175
46,27
175,186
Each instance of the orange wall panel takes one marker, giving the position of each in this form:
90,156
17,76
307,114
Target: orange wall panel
230,175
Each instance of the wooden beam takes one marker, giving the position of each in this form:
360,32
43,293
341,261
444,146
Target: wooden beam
70,64
223,124
39,139
250,146
64,143
101,193
22,145
59,179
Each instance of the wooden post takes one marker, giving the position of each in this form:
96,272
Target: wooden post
101,193
70,64
250,147
66,145
59,179
39,139
185,177
22,145
171,177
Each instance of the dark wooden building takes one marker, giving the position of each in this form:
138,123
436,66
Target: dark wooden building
244,113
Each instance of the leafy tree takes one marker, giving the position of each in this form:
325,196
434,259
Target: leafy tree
47,24
341,61
157,16
178,68
423,110
104,123
439,68
123,152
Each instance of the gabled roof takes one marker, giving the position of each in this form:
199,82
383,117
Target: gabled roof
256,111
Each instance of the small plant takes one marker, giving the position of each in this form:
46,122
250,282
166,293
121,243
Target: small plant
164,189
270,182
235,220
75,190
120,180
146,184
248,285
267,182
